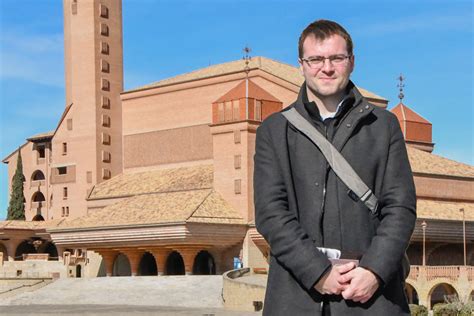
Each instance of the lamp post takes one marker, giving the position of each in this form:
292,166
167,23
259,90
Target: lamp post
423,226
464,233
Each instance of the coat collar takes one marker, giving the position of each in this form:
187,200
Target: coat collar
360,109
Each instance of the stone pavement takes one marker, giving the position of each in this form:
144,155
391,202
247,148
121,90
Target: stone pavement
163,295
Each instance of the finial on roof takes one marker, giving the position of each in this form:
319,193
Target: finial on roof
247,58
401,85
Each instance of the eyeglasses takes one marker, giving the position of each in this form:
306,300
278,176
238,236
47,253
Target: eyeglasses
316,62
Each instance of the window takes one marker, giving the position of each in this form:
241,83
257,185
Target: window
104,11
237,161
62,170
105,103
64,193
258,110
228,111
74,7
106,157
65,211
64,148
89,176
104,66
237,136
237,186
106,174
41,152
105,120
104,29
105,85
236,109
104,48
220,112
69,124
105,139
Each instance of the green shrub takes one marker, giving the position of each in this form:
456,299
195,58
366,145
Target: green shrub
418,310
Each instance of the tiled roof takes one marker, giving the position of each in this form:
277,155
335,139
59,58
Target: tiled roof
444,210
201,205
253,91
284,71
41,136
17,224
423,162
404,113
162,180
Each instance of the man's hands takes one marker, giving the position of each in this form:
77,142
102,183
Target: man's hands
356,284
362,285
329,282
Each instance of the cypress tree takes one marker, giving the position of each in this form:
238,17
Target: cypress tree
16,207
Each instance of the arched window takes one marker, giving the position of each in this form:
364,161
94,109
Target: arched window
37,175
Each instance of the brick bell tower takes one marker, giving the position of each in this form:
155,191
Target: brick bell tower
87,145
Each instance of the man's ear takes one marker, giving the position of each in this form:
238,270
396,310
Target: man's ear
352,61
300,62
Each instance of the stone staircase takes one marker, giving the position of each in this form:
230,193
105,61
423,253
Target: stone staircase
179,291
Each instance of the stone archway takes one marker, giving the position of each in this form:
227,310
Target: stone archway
24,247
147,265
175,264
438,293
204,264
412,294
121,266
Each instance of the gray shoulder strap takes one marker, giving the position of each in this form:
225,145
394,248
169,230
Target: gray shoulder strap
338,163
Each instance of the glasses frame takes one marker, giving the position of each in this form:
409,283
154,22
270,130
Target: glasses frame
323,61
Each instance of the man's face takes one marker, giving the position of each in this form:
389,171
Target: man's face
330,79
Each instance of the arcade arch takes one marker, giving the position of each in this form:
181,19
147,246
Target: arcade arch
121,266
38,218
147,265
51,249
204,264
438,293
412,294
24,247
175,264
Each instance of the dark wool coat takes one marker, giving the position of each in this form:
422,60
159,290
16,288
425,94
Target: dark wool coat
291,212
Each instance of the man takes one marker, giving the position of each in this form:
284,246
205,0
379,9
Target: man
301,204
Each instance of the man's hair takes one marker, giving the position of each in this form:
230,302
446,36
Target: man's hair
321,30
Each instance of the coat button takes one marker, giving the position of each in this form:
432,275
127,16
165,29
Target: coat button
348,125
366,106
361,110
316,184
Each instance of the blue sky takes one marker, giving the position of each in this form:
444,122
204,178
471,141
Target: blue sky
430,42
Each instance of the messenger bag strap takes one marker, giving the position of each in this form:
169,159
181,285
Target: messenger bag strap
338,163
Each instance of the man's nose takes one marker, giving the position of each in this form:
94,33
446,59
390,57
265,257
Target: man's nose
327,65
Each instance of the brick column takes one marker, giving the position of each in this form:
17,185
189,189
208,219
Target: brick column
134,257
188,254
109,257
160,255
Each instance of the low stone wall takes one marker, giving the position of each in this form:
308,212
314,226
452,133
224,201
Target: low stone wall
33,269
242,291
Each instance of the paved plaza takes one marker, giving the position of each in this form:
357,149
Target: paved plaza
170,295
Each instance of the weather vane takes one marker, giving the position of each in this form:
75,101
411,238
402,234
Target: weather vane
247,58
401,85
